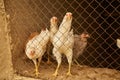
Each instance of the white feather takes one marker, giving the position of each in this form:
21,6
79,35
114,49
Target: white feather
37,44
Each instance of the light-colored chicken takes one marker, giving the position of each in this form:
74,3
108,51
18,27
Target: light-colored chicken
63,42
80,43
118,43
53,30
53,27
36,47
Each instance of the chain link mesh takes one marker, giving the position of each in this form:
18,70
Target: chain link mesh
100,18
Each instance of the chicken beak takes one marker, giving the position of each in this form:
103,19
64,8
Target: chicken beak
32,53
88,36
55,19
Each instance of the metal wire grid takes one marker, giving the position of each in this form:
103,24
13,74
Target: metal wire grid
100,18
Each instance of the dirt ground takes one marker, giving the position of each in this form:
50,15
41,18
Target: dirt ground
78,73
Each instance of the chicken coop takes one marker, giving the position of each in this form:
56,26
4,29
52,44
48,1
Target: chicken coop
100,18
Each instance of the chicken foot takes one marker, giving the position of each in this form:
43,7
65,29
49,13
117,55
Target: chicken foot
77,62
58,58
56,71
69,70
69,58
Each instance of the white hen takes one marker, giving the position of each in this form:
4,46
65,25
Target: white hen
118,43
53,27
36,47
63,42
53,30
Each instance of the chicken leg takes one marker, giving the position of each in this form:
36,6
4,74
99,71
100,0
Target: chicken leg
69,72
69,58
36,67
48,53
58,58
56,71
48,59
39,60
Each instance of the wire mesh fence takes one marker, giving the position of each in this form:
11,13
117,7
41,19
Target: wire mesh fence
100,18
